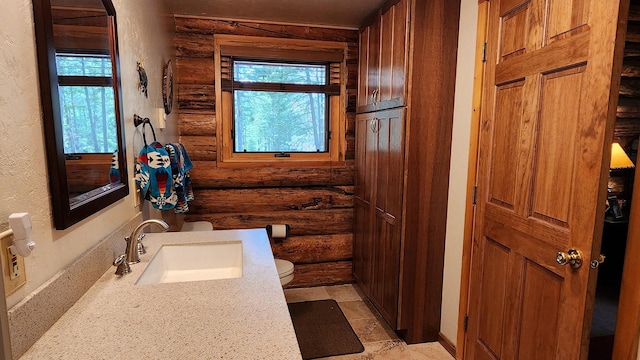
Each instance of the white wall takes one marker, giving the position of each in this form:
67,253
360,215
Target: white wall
458,173
145,29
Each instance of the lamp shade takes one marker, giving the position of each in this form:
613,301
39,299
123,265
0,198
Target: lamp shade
619,158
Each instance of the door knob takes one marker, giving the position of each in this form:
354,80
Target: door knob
573,257
597,262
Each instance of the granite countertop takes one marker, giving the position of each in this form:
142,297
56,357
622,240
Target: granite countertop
242,318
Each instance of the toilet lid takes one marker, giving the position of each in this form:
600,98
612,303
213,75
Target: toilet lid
285,268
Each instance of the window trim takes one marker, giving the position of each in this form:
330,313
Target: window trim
275,49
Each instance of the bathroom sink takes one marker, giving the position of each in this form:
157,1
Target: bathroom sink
194,262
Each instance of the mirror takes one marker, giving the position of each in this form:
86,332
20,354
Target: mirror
80,94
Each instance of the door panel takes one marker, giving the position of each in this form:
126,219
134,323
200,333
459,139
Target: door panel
542,296
492,309
547,124
556,146
508,124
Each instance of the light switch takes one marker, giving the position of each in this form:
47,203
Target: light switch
162,118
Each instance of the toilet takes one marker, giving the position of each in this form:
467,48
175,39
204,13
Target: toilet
285,271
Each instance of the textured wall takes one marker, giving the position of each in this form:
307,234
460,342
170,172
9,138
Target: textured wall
145,29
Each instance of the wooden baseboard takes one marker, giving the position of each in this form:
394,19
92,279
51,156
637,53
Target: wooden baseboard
447,344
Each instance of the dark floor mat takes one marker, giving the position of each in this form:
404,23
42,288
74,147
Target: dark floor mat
322,330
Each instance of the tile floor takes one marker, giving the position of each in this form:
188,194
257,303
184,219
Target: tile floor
379,341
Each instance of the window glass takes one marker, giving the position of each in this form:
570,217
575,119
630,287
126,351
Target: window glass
255,71
83,65
88,119
87,109
290,119
280,122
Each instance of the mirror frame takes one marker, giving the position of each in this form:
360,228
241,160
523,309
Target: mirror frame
64,214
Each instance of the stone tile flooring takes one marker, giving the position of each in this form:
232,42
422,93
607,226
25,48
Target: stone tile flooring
380,342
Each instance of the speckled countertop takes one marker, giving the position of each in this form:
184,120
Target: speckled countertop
242,318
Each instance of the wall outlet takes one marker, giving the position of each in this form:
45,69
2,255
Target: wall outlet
13,270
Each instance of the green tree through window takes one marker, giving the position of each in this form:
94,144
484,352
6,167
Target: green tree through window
280,107
86,103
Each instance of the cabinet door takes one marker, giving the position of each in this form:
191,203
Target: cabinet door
366,152
369,67
394,37
363,243
388,210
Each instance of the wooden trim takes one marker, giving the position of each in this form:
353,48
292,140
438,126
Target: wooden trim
481,37
224,114
447,344
330,55
627,331
102,81
228,85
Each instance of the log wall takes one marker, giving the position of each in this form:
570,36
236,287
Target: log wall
316,202
627,128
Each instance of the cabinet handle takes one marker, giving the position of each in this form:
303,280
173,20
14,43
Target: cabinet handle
374,96
374,125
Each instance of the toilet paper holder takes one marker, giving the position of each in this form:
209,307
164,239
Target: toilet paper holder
278,236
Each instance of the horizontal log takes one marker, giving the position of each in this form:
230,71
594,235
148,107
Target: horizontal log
197,124
352,76
626,128
194,46
630,87
350,152
313,222
633,32
205,174
631,67
195,70
195,97
271,199
628,108
200,148
631,50
202,26
322,274
353,51
351,124
352,99
314,249
634,12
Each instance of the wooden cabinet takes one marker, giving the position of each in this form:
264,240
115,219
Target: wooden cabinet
403,147
383,55
378,209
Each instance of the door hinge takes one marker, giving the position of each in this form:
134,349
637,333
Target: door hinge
466,322
474,194
484,52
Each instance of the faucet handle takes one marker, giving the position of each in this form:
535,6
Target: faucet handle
141,249
122,264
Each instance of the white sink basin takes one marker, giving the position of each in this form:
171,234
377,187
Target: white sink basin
194,262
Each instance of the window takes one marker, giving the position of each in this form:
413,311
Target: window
279,100
86,103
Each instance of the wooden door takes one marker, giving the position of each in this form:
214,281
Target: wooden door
394,37
551,78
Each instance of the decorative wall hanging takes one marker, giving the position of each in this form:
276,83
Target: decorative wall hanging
142,86
167,88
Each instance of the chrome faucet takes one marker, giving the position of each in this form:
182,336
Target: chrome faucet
132,256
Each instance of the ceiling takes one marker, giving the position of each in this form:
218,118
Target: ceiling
340,13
